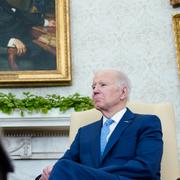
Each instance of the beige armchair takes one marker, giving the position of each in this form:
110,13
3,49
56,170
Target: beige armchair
169,165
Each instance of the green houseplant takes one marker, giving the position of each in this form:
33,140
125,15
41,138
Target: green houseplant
33,103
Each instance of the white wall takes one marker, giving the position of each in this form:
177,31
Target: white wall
135,36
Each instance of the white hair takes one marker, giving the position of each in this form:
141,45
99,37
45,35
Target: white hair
122,78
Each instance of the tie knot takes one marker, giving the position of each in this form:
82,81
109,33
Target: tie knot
108,122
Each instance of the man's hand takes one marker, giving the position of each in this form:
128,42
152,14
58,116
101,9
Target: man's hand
46,172
20,46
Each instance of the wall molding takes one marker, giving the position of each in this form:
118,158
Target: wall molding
36,137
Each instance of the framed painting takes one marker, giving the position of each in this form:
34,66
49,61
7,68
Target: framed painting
176,26
34,43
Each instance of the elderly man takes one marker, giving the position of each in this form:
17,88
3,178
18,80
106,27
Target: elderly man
122,145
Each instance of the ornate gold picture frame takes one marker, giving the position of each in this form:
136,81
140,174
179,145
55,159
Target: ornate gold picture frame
53,41
176,26
175,3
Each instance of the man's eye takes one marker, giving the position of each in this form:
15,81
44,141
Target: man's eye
103,84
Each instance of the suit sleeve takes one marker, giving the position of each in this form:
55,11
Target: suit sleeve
146,162
73,152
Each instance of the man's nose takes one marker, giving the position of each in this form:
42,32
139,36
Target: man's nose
95,89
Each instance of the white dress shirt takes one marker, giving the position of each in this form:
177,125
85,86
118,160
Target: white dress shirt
117,117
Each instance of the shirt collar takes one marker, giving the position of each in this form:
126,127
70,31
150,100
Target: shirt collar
117,117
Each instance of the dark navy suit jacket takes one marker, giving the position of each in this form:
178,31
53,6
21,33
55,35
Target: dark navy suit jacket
134,149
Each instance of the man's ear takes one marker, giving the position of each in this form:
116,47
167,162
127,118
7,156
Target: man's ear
124,93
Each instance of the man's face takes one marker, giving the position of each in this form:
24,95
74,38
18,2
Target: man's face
106,93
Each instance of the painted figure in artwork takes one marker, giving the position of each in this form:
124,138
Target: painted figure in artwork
19,46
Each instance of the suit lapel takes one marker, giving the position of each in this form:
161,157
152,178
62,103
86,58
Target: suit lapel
96,143
121,126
